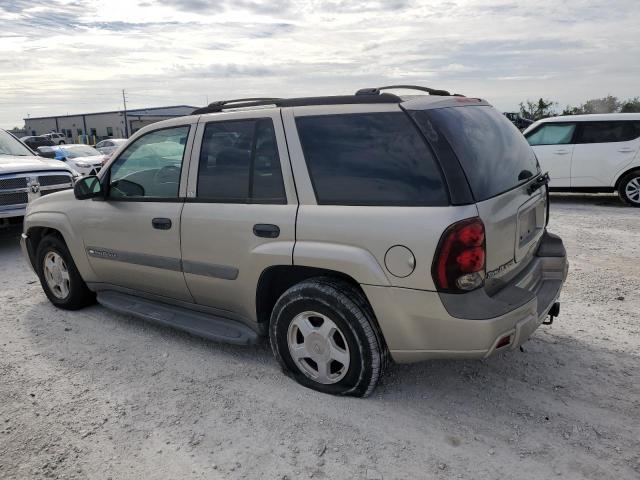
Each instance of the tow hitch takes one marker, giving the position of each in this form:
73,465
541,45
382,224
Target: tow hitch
553,313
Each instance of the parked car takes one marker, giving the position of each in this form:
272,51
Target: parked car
590,153
351,230
56,137
110,145
83,158
24,177
518,120
33,142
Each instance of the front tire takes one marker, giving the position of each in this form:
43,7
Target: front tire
59,277
324,335
629,189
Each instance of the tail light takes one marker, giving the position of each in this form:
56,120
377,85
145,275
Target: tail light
459,264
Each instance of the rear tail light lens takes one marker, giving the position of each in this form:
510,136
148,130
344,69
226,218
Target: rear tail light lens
459,265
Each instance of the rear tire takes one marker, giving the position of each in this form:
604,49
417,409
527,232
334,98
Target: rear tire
59,277
629,188
329,327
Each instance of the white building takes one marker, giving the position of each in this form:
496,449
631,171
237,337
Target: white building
103,124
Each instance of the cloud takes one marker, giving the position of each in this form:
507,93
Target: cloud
62,56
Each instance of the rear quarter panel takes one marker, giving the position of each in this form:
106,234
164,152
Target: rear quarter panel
363,235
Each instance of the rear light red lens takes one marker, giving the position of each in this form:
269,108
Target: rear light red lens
471,260
459,264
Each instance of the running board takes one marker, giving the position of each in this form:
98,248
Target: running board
214,328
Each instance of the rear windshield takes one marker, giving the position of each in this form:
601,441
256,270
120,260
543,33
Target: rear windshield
370,159
493,153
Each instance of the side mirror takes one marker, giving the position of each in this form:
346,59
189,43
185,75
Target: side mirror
46,152
88,187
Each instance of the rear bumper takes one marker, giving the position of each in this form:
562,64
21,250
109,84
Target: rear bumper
419,325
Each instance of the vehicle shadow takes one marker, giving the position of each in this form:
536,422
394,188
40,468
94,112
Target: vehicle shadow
586,199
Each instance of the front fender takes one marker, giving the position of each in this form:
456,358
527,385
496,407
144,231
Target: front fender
60,222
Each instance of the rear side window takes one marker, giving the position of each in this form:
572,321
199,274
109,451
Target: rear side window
607,132
493,153
370,159
552,134
239,163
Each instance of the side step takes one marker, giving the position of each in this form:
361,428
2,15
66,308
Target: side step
214,328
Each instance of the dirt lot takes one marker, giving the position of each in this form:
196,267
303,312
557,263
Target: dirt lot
94,394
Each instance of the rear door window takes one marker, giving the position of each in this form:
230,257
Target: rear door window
608,132
370,159
239,163
552,134
493,153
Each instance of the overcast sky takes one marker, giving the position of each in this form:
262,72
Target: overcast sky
62,56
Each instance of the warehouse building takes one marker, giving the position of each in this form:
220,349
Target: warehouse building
97,126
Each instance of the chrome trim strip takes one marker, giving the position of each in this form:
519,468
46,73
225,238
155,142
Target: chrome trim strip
224,272
209,270
15,190
155,261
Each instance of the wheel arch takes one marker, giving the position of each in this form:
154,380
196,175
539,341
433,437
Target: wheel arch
624,174
276,280
38,225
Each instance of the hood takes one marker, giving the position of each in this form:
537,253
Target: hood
91,160
17,164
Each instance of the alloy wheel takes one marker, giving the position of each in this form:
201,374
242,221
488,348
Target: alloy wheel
318,347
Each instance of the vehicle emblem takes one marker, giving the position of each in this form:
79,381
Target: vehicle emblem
35,188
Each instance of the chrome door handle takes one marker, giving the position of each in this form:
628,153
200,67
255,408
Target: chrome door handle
562,152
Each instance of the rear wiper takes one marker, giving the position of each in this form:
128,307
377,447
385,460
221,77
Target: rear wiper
538,182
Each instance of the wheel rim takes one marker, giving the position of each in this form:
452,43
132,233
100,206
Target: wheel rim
632,190
318,347
56,275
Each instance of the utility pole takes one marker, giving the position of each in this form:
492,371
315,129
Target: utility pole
126,123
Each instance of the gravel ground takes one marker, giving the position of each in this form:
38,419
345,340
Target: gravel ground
95,394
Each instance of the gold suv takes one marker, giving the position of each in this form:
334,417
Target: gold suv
350,230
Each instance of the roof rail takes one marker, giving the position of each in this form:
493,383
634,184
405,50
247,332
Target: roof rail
222,105
430,91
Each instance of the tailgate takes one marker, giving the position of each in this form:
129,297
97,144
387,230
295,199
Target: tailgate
514,223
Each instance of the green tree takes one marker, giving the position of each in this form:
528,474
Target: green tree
608,104
537,110
631,105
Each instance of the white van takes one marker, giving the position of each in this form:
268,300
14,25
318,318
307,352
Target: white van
590,153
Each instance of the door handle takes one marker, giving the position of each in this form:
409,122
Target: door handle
626,150
161,223
562,152
266,230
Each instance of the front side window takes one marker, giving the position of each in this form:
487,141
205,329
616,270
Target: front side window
150,167
370,159
239,163
552,134
607,132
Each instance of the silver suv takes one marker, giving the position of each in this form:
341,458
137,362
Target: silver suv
350,230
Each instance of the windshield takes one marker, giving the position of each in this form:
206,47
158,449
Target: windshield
493,153
75,151
9,145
